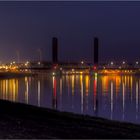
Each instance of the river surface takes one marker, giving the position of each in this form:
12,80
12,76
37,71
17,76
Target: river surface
109,96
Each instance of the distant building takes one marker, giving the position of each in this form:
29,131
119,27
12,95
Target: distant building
55,50
96,51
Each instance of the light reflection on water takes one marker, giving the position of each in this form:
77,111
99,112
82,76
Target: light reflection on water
114,97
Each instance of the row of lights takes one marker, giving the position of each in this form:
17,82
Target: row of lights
112,63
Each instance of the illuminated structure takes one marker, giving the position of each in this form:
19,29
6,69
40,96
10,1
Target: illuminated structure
96,51
55,50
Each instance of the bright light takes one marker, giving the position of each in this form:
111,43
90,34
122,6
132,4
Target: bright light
27,62
82,62
96,74
81,72
72,70
112,63
61,69
38,63
137,62
53,73
123,62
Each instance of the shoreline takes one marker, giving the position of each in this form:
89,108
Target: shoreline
18,120
15,74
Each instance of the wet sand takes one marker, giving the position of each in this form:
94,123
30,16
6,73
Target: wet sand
25,121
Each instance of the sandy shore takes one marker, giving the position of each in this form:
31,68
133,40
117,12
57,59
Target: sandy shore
24,121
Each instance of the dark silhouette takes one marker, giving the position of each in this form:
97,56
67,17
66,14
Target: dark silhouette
96,51
55,50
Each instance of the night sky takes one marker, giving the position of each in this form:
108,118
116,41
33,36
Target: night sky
28,26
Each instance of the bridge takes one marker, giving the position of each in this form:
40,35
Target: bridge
73,68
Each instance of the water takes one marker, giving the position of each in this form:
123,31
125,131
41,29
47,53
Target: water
114,97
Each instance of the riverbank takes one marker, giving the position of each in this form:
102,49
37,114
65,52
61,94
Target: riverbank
24,121
15,74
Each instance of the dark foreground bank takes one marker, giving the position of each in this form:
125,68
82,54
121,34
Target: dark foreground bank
23,121
15,74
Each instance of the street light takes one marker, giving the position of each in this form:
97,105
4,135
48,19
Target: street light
82,62
72,70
